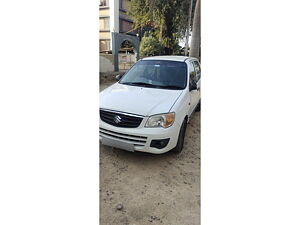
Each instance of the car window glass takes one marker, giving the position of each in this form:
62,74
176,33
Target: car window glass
192,73
197,69
162,73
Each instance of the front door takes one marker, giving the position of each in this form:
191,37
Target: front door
194,77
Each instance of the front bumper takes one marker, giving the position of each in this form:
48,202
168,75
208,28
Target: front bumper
138,139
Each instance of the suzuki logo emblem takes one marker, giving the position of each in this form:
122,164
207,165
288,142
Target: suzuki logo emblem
117,119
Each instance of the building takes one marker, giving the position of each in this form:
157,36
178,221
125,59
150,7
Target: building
113,19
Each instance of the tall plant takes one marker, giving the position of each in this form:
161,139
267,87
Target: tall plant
168,17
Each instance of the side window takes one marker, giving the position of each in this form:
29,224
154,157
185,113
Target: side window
192,72
197,69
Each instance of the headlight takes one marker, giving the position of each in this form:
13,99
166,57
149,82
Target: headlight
162,120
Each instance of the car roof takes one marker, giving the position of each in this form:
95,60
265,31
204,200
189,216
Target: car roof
169,57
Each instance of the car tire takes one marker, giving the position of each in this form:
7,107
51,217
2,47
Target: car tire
180,140
198,108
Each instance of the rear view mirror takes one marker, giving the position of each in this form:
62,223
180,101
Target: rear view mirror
118,77
193,86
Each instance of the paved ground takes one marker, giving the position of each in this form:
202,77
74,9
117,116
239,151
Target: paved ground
153,189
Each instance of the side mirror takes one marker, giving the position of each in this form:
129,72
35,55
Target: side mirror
118,77
193,86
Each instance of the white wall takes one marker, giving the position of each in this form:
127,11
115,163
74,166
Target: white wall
106,63
126,61
114,15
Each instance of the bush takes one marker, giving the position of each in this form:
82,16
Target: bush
150,46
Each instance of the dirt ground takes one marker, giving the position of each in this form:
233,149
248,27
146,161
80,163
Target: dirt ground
152,189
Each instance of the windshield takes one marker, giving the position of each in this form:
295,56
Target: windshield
157,74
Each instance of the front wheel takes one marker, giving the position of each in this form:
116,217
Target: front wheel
198,108
180,141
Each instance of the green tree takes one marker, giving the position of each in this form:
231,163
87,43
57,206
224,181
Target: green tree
167,17
177,49
150,45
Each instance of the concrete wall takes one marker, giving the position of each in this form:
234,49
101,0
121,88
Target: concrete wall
126,61
114,15
104,12
105,35
106,63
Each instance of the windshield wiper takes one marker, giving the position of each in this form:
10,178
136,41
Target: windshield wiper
174,87
140,84
171,87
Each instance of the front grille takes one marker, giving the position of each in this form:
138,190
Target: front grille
134,139
119,119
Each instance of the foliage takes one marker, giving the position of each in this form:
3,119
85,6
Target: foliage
150,45
178,50
168,18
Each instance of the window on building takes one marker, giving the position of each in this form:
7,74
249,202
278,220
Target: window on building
104,23
104,45
103,3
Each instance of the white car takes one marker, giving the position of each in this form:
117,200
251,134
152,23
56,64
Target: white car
149,107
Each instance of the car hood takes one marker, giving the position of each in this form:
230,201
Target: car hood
138,100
